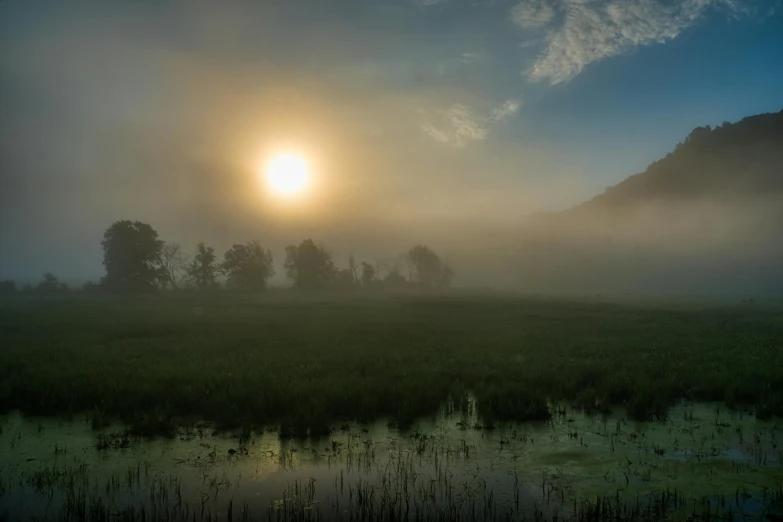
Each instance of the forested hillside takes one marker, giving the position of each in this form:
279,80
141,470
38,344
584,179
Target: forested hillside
705,218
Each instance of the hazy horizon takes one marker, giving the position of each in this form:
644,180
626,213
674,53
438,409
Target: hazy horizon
445,122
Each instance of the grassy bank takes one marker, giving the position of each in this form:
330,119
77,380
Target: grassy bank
308,361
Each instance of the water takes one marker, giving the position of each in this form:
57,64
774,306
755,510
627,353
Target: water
447,467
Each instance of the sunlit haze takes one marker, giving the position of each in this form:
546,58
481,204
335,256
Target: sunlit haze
287,174
453,122
370,260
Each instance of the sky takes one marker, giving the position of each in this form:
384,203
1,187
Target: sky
427,121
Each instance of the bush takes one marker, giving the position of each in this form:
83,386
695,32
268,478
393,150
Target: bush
7,287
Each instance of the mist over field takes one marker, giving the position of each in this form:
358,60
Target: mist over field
166,114
391,260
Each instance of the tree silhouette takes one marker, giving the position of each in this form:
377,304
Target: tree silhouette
203,270
309,265
394,279
368,274
428,268
7,287
344,278
405,259
50,284
352,268
426,264
172,264
247,266
91,288
131,254
446,276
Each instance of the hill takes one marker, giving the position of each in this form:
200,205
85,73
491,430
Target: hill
743,159
705,218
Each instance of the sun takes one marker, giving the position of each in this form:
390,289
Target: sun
287,174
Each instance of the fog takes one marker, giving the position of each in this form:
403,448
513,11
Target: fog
164,114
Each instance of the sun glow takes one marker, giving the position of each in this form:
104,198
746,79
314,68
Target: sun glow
287,174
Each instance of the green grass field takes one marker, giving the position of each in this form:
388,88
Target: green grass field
307,361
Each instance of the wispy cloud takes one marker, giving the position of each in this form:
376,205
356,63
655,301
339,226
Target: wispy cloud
571,35
459,125
533,13
581,32
509,108
471,57
774,8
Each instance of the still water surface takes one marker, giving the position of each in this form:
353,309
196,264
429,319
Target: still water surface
448,467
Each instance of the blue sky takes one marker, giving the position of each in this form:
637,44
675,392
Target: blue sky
418,116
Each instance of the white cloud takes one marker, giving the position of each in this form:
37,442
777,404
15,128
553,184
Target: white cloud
471,57
592,30
509,108
530,14
459,125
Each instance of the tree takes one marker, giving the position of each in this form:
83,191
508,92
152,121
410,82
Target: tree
405,259
91,288
309,265
352,268
446,276
203,270
426,264
391,264
248,266
394,279
172,264
699,134
428,267
131,254
344,278
50,284
368,274
7,287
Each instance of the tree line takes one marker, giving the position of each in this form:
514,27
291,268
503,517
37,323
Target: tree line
137,260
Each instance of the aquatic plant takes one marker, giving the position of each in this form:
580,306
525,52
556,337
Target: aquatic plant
306,364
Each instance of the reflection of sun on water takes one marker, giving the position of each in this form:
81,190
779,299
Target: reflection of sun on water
287,175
